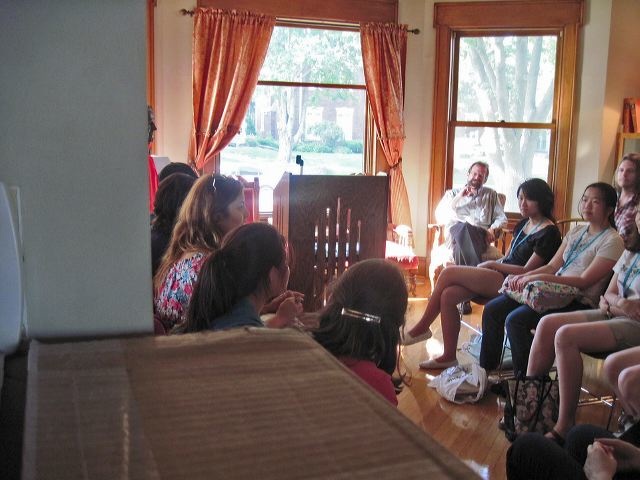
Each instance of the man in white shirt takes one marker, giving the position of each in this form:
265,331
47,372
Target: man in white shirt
472,215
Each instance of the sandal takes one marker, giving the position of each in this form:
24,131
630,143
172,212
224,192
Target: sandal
555,437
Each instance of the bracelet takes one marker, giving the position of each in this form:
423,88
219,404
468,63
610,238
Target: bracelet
609,314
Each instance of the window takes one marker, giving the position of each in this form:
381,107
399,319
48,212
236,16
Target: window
504,93
503,108
310,101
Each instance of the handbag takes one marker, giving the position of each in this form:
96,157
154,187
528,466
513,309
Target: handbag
531,405
541,295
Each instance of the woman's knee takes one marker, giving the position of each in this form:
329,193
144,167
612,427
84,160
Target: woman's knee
448,297
563,338
547,328
613,366
629,382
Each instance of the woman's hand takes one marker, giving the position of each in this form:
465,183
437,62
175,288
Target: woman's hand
273,305
631,308
601,463
604,305
287,312
627,455
490,264
512,281
521,281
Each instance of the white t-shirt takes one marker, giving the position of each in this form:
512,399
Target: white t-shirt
622,267
608,245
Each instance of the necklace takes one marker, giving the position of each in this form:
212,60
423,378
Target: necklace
517,241
575,250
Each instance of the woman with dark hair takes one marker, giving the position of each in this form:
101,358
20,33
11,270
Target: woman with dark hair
584,260
176,167
361,323
169,197
213,207
237,281
535,241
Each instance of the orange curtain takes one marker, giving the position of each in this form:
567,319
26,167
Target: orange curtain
229,48
382,47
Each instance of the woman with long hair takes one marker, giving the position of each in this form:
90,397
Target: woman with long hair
169,198
360,324
535,241
237,281
584,260
213,207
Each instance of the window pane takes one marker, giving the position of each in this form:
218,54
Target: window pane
323,125
506,78
513,155
311,55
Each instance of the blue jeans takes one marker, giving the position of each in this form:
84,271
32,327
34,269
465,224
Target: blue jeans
519,321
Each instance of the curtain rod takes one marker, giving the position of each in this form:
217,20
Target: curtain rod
185,12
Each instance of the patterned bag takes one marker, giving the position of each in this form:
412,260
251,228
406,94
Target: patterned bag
541,295
531,405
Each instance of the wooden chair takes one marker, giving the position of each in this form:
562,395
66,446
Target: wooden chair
251,198
399,249
441,255
566,224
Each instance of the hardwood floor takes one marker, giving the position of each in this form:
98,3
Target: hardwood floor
470,431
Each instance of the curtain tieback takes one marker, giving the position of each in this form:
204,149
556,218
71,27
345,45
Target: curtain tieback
229,129
397,164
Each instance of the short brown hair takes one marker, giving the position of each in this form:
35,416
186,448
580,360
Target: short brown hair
482,164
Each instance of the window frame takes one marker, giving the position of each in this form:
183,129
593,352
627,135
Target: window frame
455,123
371,151
560,17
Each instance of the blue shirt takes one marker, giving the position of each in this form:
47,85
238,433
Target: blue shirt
242,314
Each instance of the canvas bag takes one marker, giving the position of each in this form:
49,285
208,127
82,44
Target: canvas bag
531,405
474,345
541,295
462,383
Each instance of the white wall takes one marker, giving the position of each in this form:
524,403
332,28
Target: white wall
73,139
173,43
592,74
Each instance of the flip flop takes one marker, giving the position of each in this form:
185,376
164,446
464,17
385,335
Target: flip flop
556,437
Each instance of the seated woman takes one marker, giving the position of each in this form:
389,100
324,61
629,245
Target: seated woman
213,207
614,326
584,260
238,280
169,198
535,241
590,452
360,324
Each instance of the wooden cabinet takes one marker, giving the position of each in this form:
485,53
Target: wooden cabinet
330,222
